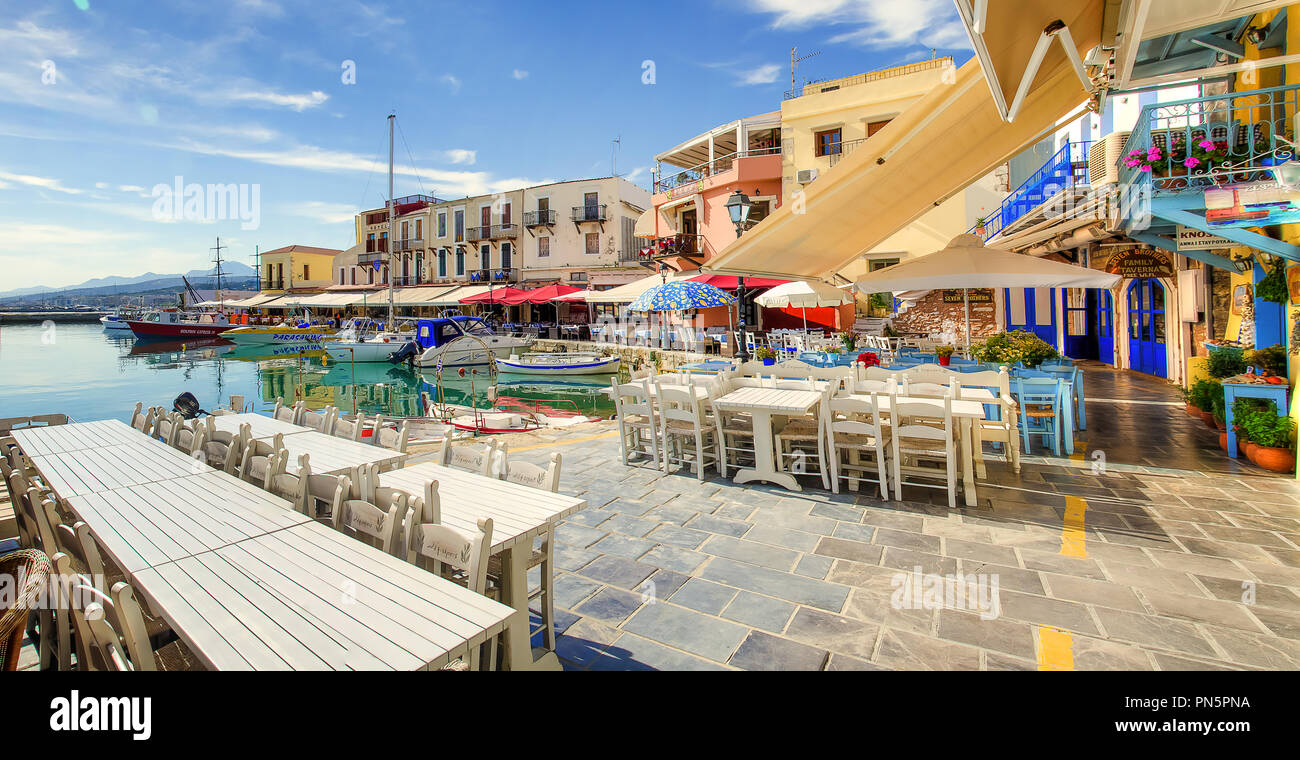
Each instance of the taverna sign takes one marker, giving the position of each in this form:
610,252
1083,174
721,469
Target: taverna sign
1137,263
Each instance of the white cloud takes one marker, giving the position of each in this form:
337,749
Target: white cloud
461,156
765,74
452,82
635,174
298,102
519,74
45,183
101,185
874,23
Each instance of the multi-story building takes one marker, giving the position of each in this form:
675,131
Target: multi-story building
581,233
296,268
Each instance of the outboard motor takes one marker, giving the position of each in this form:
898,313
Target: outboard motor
406,353
187,405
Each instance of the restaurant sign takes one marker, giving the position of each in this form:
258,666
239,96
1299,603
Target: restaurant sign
1190,239
1137,263
975,295
683,190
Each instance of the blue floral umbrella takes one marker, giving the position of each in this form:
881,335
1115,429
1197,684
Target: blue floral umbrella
680,295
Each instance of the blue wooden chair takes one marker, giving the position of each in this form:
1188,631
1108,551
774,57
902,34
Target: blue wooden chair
1070,374
1040,403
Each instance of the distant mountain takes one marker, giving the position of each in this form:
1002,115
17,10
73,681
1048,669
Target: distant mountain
231,269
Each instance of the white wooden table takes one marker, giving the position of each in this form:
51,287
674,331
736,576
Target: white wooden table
966,412
77,436
261,426
519,515
311,598
146,525
762,404
107,468
331,455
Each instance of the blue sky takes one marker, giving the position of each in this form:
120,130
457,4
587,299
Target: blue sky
101,102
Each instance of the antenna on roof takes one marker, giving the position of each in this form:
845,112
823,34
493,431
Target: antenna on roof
795,58
615,144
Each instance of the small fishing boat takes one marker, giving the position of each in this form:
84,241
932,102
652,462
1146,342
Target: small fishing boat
559,364
460,341
283,334
174,324
359,341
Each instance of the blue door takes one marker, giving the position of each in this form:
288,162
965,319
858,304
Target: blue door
1105,324
1038,315
1146,327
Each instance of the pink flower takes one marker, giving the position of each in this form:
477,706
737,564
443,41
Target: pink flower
1146,169
1206,144
1132,162
1153,154
1191,161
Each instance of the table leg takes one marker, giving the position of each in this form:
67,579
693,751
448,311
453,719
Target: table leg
514,593
764,465
967,461
1228,397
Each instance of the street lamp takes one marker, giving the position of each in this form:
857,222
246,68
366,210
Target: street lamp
738,206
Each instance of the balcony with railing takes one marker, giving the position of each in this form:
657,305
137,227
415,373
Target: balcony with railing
836,151
717,166
1067,168
409,244
672,245
499,275
589,213
478,234
539,218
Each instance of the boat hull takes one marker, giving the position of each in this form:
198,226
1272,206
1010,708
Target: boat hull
349,351
278,336
467,352
176,329
115,324
605,366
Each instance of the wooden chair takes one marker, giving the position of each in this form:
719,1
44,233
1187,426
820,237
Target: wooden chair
292,488
638,432
390,438
325,495
477,459
352,431
916,444
142,419
686,431
290,414
453,554
223,450
1040,401
1000,424
803,439
369,524
856,429
166,427
262,459
321,422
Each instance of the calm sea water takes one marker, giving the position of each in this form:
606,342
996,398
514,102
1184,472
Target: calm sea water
81,371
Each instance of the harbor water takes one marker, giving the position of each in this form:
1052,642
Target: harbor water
84,372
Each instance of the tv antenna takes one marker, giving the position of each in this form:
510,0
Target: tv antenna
795,59
615,144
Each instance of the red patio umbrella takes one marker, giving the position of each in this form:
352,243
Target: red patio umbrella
545,294
495,295
728,282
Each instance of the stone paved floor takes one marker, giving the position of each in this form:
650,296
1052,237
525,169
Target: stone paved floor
1140,565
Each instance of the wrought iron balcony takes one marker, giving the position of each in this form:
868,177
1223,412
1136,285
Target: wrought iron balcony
539,218
673,245
501,275
1067,168
480,233
708,169
843,148
595,213
410,244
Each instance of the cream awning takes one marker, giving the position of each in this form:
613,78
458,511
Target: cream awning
425,296
629,292
941,144
645,224
257,300
453,296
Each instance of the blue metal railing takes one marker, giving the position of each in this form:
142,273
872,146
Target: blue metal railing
1066,168
1208,141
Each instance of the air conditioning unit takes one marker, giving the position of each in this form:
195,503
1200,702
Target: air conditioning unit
805,176
1104,157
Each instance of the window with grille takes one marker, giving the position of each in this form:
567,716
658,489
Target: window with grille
543,247
593,243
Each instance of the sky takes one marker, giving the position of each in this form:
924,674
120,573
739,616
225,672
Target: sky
275,110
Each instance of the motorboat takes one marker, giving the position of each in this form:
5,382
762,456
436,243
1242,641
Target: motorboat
297,333
559,364
461,341
359,342
175,324
118,322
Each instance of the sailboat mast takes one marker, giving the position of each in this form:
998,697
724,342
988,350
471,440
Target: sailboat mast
220,296
392,221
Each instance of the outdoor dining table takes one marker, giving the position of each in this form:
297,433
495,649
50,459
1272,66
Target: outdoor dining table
966,412
93,470
519,515
330,455
762,404
260,425
58,439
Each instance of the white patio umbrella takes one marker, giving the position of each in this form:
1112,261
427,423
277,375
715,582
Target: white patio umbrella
805,295
966,264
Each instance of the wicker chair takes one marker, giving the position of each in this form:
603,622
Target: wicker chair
34,568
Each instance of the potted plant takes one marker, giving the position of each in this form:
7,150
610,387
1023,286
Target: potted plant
1225,361
1204,393
979,226
1274,438
1243,409
1192,411
767,355
1011,347
945,355
1270,361
850,342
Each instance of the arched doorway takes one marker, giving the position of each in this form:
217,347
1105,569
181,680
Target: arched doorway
1146,327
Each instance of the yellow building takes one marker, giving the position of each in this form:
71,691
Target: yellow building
296,268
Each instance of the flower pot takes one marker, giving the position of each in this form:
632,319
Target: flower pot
1246,448
1223,440
769,362
1275,459
1192,411
1220,424
944,361
1208,419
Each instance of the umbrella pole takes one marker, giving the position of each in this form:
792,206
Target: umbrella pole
965,301
805,318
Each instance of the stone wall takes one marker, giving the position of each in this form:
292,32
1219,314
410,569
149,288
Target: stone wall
932,315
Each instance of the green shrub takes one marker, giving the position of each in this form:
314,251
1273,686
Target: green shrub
1265,427
1226,362
1272,359
1273,286
1204,393
1244,409
1011,347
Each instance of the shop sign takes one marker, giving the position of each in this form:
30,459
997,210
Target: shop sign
975,295
1137,263
1251,205
1191,239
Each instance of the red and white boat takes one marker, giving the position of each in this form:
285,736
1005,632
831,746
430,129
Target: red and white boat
173,323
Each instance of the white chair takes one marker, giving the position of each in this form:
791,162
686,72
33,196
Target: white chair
292,488
390,438
686,431
261,460
321,422
325,495
543,555
638,424
237,404
369,524
1005,430
802,440
468,457
290,414
165,427
190,437
142,419
856,429
531,475
916,445
352,431
735,430
223,450
461,557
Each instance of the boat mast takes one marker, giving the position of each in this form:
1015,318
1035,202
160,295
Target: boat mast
220,299
392,221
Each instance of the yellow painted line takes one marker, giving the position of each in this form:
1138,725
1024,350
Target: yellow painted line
1055,649
1080,451
1073,539
571,441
